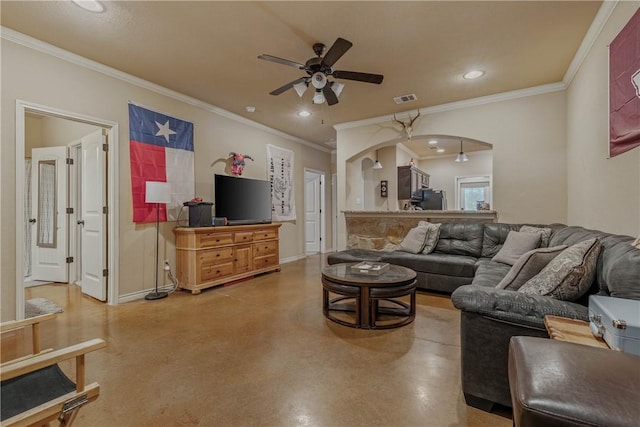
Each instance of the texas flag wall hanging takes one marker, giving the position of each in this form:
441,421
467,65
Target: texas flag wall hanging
161,149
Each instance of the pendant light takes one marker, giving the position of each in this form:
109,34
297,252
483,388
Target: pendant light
461,156
377,164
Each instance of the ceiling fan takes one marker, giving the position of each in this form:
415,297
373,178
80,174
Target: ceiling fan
318,69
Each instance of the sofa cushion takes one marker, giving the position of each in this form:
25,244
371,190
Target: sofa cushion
489,273
528,265
494,236
450,265
569,275
545,234
618,269
459,238
515,246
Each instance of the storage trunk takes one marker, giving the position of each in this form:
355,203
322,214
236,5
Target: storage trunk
617,320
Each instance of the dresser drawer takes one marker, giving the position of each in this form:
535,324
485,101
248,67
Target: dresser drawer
215,271
209,240
243,237
265,234
265,261
215,256
265,248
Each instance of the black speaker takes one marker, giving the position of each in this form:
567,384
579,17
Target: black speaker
199,214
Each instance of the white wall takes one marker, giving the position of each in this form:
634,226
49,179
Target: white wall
529,152
43,79
603,193
443,171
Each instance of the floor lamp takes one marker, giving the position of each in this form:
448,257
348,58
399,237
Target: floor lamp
157,192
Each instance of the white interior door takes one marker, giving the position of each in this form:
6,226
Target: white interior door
48,214
92,220
312,212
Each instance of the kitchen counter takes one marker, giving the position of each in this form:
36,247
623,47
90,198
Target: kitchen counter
378,229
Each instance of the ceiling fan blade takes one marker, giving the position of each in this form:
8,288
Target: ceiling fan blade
329,95
361,77
282,61
339,48
287,86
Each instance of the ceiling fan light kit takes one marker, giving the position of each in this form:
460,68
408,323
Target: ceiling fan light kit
319,69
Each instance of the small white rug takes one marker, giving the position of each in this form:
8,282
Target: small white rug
39,306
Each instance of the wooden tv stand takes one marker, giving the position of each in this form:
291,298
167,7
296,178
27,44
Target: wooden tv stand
211,256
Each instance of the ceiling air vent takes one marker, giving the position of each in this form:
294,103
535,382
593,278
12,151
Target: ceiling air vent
405,98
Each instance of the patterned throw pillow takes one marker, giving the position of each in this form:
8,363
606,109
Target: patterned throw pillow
528,265
515,246
569,275
433,233
545,234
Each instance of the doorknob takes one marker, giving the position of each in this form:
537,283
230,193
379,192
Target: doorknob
32,220
81,222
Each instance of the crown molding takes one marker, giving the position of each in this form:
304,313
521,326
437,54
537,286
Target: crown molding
458,105
40,46
594,31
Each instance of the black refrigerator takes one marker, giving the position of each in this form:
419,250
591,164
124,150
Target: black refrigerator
429,200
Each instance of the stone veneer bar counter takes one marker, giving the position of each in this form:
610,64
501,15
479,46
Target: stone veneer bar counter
376,229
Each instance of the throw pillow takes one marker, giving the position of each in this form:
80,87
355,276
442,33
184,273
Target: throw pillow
545,234
569,275
515,246
528,265
433,232
415,240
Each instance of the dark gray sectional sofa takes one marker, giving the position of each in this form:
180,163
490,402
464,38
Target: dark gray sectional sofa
461,264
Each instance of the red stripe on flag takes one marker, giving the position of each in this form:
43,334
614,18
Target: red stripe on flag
148,163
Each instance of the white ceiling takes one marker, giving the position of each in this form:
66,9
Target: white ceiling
208,50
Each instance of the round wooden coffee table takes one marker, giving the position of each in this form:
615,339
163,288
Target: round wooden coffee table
362,293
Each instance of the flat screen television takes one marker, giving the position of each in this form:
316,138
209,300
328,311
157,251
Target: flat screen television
242,200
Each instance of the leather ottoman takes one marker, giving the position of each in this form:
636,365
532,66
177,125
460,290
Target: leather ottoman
555,383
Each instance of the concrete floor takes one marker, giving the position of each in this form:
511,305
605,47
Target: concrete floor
260,353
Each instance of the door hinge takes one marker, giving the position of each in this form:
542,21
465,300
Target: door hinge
69,210
105,209
69,161
105,147
105,272
69,259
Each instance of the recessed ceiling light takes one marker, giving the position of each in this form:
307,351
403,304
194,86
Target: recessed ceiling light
304,113
90,5
440,150
433,142
473,74
250,108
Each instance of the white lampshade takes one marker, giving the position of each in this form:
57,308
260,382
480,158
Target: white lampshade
377,165
157,192
301,88
337,88
318,97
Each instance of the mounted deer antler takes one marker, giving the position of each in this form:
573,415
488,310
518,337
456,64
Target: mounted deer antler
407,127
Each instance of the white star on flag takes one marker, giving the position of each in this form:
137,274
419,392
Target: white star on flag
164,130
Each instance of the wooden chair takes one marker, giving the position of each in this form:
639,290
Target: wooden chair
35,391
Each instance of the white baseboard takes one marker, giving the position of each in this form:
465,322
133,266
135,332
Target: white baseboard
140,294
292,258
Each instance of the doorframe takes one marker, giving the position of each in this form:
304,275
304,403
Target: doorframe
22,107
323,239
